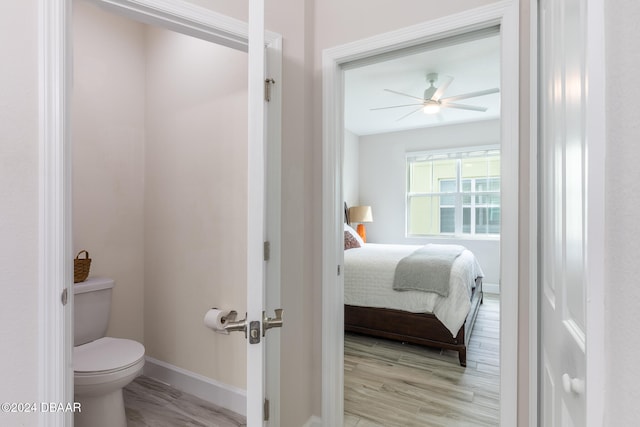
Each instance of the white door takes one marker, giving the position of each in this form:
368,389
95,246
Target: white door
258,320
569,237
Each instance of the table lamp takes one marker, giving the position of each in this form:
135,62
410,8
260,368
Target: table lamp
360,215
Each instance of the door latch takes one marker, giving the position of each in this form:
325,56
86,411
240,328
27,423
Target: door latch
254,332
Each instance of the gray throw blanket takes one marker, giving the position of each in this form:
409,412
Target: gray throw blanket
427,269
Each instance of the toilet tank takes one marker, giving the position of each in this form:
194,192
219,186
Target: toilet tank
91,309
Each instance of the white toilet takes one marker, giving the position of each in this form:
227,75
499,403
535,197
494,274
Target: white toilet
102,365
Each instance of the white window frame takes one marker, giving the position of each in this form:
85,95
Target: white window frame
456,154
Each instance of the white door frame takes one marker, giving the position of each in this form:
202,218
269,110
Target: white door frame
55,258
595,205
505,14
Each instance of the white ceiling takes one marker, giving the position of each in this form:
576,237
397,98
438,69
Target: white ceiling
474,66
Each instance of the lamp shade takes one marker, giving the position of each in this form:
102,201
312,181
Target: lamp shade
360,214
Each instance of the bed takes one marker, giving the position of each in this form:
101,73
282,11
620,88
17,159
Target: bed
374,308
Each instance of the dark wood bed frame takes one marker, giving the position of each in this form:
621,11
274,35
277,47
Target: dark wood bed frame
416,328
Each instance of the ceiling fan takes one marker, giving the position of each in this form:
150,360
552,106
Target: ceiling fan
432,101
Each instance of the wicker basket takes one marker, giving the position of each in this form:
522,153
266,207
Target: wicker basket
81,267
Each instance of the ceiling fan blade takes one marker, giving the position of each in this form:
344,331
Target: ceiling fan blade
471,95
463,107
404,94
393,106
438,93
407,115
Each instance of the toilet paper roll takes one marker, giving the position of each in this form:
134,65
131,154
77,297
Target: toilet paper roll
216,320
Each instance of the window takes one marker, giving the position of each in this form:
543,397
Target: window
453,193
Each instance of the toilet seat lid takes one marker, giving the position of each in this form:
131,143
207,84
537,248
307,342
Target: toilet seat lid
106,354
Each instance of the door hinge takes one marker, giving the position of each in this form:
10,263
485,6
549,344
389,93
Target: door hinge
338,269
64,298
267,88
266,410
267,250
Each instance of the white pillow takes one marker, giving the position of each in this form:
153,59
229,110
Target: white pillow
348,228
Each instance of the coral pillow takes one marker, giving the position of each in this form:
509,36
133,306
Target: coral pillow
350,242
354,234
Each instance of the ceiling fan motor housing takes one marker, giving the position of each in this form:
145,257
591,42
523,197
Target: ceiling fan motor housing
431,90
432,78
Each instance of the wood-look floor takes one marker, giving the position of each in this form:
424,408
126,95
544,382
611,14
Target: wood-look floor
151,403
393,384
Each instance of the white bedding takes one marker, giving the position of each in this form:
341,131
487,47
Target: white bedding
368,281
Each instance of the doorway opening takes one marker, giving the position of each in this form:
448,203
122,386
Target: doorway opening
159,131
335,63
429,178
56,330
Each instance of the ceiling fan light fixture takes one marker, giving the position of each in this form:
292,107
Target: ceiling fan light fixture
431,107
433,100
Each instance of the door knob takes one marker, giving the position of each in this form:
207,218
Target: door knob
233,325
572,385
271,322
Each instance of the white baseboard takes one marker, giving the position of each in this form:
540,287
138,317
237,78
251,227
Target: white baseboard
224,395
313,422
491,288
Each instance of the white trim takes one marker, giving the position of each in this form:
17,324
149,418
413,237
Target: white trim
458,151
223,395
491,288
464,22
595,210
509,241
256,291
187,18
183,18
504,13
55,335
332,259
313,421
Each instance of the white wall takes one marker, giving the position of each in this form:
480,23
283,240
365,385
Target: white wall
18,207
351,168
195,202
383,183
108,134
160,131
622,294
308,28
301,370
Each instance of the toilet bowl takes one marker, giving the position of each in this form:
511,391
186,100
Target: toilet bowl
102,366
101,369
